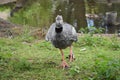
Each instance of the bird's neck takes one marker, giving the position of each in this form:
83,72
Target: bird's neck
58,28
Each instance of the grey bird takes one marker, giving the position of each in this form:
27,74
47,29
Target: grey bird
62,35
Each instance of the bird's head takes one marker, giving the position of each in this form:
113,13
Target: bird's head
59,19
59,22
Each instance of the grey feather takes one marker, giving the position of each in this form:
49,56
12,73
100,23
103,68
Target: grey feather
63,39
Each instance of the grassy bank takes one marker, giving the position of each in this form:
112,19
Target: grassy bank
97,58
34,13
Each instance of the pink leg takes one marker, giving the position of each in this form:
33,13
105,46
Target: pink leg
71,57
63,64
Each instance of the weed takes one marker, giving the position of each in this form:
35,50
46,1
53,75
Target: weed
74,70
94,61
36,15
91,30
108,70
115,44
92,41
19,64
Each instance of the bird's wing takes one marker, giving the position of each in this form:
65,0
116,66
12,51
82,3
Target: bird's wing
50,33
70,32
74,33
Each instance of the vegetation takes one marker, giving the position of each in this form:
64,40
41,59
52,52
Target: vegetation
23,57
36,14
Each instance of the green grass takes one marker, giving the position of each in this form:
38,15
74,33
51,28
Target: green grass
97,58
35,13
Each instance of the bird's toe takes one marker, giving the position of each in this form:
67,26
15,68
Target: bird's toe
64,64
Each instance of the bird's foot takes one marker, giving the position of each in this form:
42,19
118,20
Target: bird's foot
64,64
71,58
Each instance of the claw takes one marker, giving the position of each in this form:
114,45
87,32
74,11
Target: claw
64,64
71,58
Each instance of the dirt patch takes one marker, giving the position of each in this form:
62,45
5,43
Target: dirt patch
8,29
5,14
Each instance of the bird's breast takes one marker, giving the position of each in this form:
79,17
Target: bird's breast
61,41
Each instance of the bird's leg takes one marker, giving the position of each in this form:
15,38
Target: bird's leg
63,64
71,56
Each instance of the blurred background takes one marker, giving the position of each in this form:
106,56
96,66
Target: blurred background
92,16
